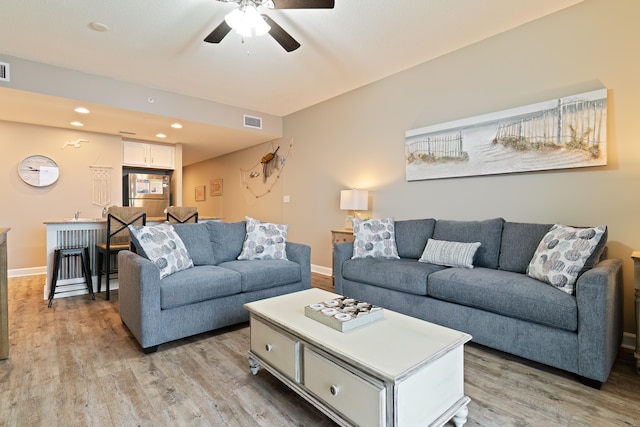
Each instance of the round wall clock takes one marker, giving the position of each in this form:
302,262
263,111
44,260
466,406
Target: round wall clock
39,171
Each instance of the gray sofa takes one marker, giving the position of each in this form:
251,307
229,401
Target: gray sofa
209,295
496,302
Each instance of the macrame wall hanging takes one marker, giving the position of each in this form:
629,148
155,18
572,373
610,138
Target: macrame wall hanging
101,178
260,179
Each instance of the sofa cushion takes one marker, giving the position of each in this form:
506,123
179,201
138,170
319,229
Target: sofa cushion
519,243
262,274
487,232
412,235
264,240
196,239
405,274
563,253
374,238
451,254
599,253
198,284
163,246
226,239
506,293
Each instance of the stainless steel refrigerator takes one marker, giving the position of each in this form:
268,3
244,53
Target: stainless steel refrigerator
151,192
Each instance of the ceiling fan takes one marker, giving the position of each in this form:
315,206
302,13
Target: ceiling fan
246,20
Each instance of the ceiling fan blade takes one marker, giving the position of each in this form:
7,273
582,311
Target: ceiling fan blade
303,4
218,34
281,36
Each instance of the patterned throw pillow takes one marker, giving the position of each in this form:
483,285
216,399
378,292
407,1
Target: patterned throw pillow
562,253
162,245
264,240
374,238
451,254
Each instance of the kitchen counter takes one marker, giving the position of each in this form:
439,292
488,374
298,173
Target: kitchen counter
68,232
150,220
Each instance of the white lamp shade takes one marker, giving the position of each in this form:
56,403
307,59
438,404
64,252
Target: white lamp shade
354,200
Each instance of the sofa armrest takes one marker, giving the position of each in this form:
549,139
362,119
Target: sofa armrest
599,294
139,298
341,252
301,254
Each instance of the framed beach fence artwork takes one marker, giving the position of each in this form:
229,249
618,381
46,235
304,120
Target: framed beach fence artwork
569,132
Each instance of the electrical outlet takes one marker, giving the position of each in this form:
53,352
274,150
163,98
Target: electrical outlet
286,199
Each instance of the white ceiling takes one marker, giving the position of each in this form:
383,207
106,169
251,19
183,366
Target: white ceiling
159,44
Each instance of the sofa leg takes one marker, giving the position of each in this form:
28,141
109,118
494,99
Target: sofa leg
591,383
149,350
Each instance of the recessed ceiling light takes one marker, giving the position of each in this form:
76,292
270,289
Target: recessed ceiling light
81,110
176,126
98,26
76,124
161,135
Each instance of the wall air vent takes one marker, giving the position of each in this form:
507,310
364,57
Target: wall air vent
4,72
252,122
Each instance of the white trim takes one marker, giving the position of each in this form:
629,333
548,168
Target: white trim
31,271
628,341
325,271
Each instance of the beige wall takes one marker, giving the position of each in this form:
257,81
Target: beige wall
357,139
25,208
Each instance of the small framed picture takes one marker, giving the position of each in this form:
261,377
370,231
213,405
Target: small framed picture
216,187
200,193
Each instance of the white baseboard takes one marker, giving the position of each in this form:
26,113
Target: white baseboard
32,271
325,271
628,341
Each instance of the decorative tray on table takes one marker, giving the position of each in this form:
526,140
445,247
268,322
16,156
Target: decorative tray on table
343,314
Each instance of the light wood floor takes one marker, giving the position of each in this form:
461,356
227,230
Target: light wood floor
76,365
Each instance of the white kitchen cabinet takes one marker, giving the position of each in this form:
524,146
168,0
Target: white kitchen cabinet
147,155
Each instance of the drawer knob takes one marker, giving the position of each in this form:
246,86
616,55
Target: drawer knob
334,390
268,347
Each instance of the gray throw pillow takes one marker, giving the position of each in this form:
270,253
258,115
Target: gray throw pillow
450,254
562,254
162,245
374,238
264,240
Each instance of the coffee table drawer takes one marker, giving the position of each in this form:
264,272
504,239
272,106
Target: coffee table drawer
359,400
277,349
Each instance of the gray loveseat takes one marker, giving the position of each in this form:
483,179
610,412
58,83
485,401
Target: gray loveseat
496,302
209,295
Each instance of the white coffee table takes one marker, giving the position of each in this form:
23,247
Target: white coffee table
397,371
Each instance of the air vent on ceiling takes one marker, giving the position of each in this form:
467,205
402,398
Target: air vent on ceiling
252,122
4,72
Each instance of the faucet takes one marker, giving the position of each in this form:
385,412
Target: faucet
76,215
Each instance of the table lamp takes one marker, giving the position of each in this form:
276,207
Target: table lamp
354,200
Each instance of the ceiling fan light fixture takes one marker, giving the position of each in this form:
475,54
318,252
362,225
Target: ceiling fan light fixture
234,18
246,20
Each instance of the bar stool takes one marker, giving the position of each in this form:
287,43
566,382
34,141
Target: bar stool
59,254
181,214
